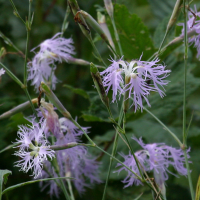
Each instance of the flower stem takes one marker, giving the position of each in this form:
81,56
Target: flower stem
117,36
184,100
16,13
28,28
70,189
114,149
62,185
189,175
165,127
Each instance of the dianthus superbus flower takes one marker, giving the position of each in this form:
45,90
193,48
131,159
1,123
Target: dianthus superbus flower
43,65
156,157
33,148
132,78
74,162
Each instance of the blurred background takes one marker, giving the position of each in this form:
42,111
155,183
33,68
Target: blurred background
141,25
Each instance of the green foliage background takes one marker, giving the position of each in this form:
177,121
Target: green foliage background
141,25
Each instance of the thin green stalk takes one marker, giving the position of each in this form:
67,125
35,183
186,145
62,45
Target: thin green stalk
184,99
16,13
165,127
65,23
189,175
70,189
166,33
31,103
185,71
62,185
12,76
67,146
117,36
9,147
20,84
28,28
114,149
97,53
132,152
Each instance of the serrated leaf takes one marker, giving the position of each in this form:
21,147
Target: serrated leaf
3,179
134,35
79,91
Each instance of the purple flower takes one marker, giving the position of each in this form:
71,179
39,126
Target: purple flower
43,66
74,162
193,24
130,162
33,148
131,78
112,78
156,157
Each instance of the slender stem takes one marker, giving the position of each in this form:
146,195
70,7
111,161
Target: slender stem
184,99
97,53
185,71
70,189
21,84
165,127
12,75
31,103
28,28
16,13
132,152
189,175
9,147
162,41
65,24
68,145
117,36
114,149
62,185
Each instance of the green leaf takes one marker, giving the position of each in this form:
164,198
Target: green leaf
134,35
3,179
79,91
161,8
93,118
30,182
160,31
197,196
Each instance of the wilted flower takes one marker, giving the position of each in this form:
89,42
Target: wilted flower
51,117
123,77
33,148
43,66
156,157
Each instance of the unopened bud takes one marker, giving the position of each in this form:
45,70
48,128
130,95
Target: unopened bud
109,7
54,100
